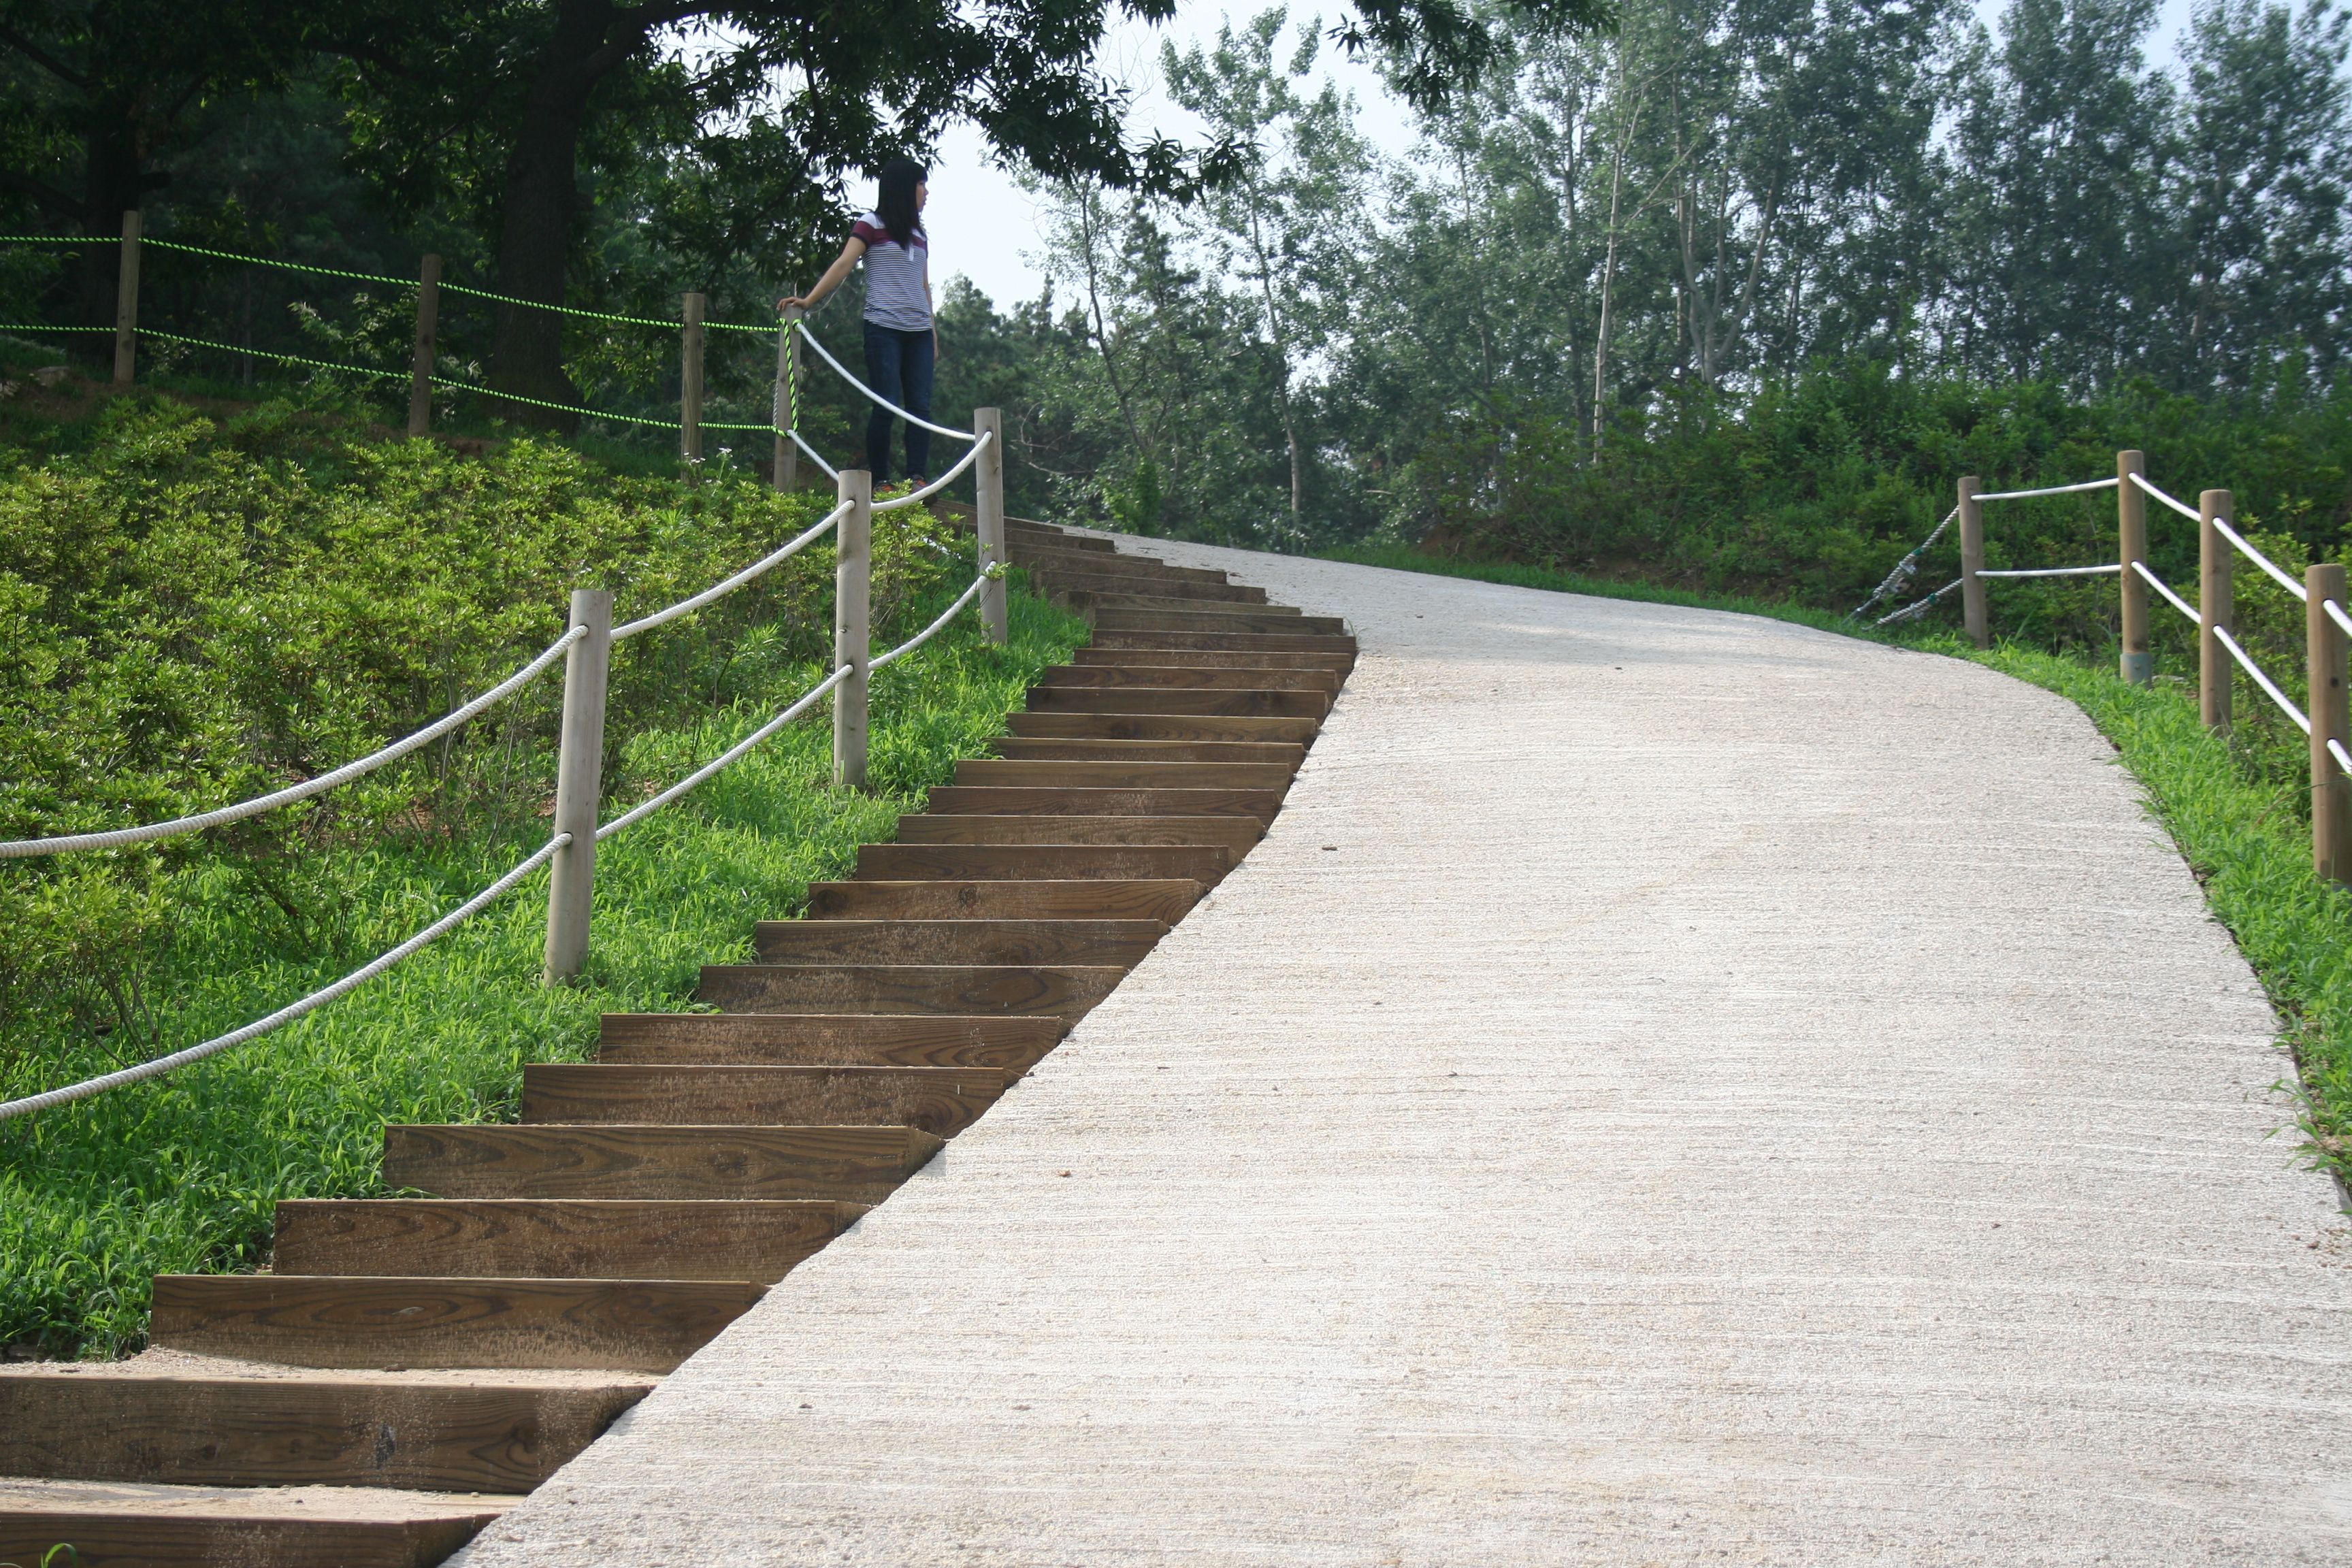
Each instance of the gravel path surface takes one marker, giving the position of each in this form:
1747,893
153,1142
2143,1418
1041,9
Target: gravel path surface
1672,1087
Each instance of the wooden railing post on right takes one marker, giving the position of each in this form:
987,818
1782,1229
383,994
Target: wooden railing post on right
2331,720
2131,529
785,416
126,302
428,321
579,785
2215,611
689,384
1972,559
852,637
988,497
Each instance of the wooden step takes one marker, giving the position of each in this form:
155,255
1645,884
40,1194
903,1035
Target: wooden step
1013,773
128,1524
413,1431
1283,617
1160,727
1282,755
831,1039
1204,863
1165,899
1176,640
1237,833
1056,538
1031,800
330,1320
1176,678
1063,991
1113,579
942,1102
1120,943
1049,556
852,1165
1253,704
1338,663
563,1239
1264,622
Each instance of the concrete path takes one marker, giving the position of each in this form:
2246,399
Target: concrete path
1670,1088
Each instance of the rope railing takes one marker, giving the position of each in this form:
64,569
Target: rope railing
936,486
950,613
1904,570
2051,490
2183,508
2270,567
2270,687
875,397
750,574
2107,571
118,837
2174,600
734,753
287,1014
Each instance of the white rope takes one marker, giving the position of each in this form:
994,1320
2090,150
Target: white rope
2256,670
686,606
877,398
728,757
2335,750
830,471
2278,574
2060,571
2174,600
2053,490
287,1015
1915,610
304,790
2336,613
939,484
2181,507
1905,569
919,639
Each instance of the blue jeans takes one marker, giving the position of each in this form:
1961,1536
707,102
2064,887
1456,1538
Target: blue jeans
898,366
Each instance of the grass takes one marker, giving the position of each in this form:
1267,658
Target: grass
2248,845
180,1175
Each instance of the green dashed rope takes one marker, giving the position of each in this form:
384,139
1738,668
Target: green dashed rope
51,240
289,265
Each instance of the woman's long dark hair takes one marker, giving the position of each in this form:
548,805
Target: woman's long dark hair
895,205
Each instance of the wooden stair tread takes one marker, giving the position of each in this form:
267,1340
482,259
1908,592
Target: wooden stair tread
1049,555
1110,579
853,1164
756,1240
125,1524
829,1039
1200,619
1141,598
1001,771
1174,640
942,1102
430,1432
1239,834
1191,678
1161,727
993,897
1025,748
1338,663
328,1319
1257,702
1065,991
1204,863
1121,942
1079,800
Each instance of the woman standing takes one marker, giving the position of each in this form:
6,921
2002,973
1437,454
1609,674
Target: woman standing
901,344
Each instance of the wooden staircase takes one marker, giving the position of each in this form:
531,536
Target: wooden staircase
410,1367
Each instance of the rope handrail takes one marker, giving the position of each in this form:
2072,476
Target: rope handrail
830,471
2343,758
2174,600
2051,490
287,1014
1905,569
117,838
2107,571
919,639
2222,634
2335,611
2277,574
1914,610
727,757
936,486
874,396
272,262
720,590
2183,508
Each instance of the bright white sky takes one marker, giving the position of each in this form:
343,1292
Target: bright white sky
985,227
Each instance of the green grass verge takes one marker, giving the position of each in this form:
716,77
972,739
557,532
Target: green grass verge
2248,846
180,1175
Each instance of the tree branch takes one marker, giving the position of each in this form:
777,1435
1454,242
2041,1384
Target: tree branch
48,196
42,58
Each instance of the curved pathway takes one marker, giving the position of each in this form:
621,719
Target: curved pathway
1671,1087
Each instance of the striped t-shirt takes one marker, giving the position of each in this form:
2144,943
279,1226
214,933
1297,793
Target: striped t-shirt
897,279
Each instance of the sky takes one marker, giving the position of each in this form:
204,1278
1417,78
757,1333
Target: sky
984,226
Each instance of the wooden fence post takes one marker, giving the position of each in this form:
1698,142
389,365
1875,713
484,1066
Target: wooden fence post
579,785
126,302
852,639
2215,611
2131,529
420,375
2331,795
988,497
690,384
1972,588
787,413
